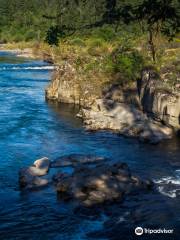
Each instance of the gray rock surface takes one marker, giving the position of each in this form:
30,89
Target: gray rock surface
158,102
124,119
123,110
98,185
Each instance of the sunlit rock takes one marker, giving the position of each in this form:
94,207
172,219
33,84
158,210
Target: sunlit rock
42,165
101,184
126,120
30,176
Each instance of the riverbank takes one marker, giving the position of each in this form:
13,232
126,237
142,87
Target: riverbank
114,88
28,50
25,51
119,88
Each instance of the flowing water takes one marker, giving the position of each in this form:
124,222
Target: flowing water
31,128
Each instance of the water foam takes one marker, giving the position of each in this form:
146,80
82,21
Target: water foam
29,68
170,185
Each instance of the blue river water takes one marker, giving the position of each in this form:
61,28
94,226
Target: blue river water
31,128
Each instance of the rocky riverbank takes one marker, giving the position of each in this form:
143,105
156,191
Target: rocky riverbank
92,181
145,110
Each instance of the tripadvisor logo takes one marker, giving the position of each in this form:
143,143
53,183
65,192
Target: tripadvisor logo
139,231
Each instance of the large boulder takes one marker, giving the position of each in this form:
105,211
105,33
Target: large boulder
42,165
31,176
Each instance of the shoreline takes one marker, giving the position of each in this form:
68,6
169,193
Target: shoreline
99,116
26,52
114,112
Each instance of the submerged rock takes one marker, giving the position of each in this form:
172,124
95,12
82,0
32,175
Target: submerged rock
28,181
101,184
74,159
92,181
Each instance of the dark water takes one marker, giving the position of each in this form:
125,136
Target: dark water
31,128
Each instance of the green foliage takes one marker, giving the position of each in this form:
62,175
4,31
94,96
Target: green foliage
53,35
95,42
104,19
22,20
127,63
30,35
105,33
78,42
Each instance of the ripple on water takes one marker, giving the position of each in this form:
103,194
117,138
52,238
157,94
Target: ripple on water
169,185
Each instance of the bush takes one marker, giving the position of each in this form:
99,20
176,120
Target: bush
128,64
30,35
106,34
98,51
18,37
78,42
53,35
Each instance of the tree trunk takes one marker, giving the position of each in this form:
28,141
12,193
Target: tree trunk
152,46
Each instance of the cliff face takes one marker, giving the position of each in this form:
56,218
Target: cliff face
69,86
161,104
64,86
131,112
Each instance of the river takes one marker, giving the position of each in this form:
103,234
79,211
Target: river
31,128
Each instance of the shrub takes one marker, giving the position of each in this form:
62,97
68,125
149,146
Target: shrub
98,51
127,63
77,42
29,35
106,33
53,35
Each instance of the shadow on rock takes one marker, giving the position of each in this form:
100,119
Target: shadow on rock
103,184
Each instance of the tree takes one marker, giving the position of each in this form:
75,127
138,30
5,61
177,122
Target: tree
159,16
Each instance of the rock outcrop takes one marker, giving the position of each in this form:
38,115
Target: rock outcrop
91,182
124,119
68,86
140,111
102,184
159,103
64,86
